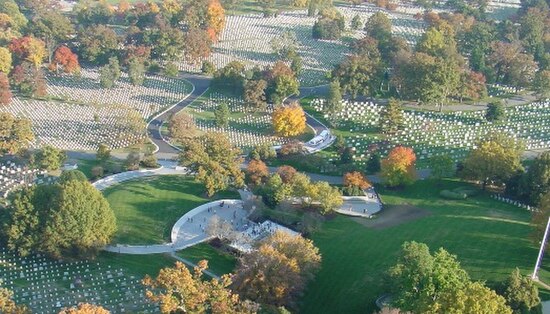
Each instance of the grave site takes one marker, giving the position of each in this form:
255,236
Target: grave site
274,156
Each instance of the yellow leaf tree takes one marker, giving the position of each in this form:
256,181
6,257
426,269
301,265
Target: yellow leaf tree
216,17
85,308
289,120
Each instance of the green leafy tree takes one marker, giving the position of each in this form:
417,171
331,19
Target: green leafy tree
110,73
97,44
542,83
72,175
391,118
521,293
171,70
215,160
221,114
496,159
373,164
426,283
356,22
50,158
495,111
357,75
81,223
103,153
334,98
274,191
540,218
441,166
136,72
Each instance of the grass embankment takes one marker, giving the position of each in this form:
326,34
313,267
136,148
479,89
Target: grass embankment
147,208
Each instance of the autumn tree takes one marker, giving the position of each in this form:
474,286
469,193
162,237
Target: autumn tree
521,293
398,168
64,59
215,160
176,289
5,91
254,94
511,65
8,306
286,173
277,271
5,60
52,27
28,49
391,117
181,126
256,172
215,16
198,45
85,308
495,159
356,179
29,80
471,85
15,134
289,120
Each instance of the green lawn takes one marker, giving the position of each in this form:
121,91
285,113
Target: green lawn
489,237
219,262
137,265
147,208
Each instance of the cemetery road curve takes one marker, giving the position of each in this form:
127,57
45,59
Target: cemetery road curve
201,84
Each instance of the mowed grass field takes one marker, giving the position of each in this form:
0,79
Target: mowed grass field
490,239
147,208
218,262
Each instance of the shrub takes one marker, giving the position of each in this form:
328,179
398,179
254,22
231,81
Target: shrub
452,195
97,172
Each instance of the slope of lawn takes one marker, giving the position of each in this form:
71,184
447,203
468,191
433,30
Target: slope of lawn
218,262
490,239
147,208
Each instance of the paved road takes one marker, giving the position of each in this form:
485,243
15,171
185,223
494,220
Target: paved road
201,84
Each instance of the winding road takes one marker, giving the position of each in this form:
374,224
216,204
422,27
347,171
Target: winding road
201,84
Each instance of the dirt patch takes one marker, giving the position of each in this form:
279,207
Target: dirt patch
393,215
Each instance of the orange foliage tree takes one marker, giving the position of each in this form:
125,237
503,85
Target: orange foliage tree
28,49
5,92
216,18
289,120
398,169
356,179
256,172
85,308
65,60
286,173
176,289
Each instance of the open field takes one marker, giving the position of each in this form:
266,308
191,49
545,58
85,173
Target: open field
489,238
146,209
